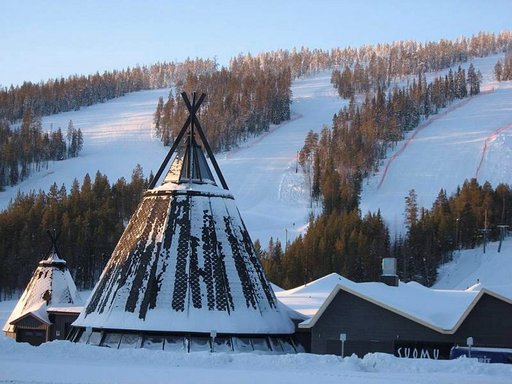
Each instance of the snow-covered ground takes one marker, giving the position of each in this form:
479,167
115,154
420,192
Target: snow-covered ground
261,174
118,135
471,138
65,362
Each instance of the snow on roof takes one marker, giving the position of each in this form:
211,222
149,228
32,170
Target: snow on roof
38,311
50,285
205,188
441,310
185,263
307,299
65,309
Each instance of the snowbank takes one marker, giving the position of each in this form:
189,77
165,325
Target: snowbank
65,362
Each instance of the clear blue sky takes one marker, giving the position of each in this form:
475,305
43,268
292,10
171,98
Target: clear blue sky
41,39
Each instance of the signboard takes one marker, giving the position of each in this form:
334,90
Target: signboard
420,350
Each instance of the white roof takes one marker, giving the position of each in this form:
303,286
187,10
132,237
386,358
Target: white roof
241,277
75,309
185,187
441,310
51,280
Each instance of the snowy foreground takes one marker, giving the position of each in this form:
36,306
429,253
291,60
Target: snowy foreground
64,362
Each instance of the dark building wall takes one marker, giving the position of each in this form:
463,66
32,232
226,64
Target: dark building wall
31,336
489,323
369,328
31,330
61,325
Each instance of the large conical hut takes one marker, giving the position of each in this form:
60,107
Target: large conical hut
49,304
185,275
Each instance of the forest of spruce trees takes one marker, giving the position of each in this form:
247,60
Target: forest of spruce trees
243,100
90,219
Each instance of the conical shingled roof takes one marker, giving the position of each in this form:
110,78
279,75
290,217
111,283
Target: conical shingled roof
186,262
51,285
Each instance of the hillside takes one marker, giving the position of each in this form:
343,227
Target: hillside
469,139
118,135
272,198
472,268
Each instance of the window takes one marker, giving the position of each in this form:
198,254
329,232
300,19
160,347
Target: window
276,345
223,344
242,344
287,345
153,342
260,344
111,340
199,343
129,340
176,343
95,338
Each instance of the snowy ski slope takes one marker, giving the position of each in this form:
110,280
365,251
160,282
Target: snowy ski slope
261,174
271,197
470,138
472,268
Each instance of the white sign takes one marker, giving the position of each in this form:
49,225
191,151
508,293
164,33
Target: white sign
343,337
469,341
415,353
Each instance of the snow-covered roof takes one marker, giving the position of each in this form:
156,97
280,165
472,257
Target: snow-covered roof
205,188
74,309
186,262
51,285
307,299
441,310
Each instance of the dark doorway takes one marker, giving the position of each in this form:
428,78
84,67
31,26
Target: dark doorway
32,336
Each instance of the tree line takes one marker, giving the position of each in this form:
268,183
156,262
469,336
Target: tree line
61,95
345,243
503,70
335,163
388,62
241,102
90,219
29,148
463,220
341,156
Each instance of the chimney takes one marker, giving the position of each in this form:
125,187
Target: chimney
389,276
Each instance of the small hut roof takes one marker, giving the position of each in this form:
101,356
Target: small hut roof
50,285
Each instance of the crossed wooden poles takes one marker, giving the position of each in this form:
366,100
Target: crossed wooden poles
193,122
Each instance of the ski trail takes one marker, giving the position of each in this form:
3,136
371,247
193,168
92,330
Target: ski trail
485,147
424,125
251,142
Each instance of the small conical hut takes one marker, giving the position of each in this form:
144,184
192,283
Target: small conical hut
184,274
49,304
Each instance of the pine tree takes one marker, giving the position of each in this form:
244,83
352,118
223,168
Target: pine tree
79,141
411,209
498,70
473,81
158,116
